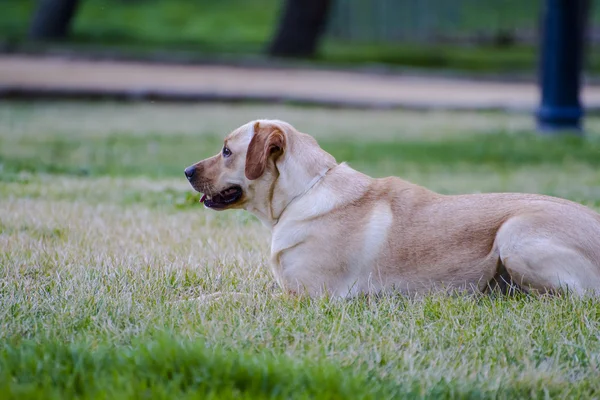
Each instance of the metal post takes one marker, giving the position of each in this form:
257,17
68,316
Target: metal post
560,65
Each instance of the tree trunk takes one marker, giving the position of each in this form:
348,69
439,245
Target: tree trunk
52,19
301,25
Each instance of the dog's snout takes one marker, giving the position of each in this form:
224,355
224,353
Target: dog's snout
189,172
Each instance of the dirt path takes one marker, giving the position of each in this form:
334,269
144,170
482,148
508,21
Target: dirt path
22,75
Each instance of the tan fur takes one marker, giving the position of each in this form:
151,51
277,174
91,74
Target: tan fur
339,231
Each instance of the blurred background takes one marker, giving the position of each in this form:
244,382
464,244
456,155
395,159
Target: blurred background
104,103
445,83
467,35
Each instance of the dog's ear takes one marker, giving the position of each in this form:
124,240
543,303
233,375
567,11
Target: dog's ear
268,140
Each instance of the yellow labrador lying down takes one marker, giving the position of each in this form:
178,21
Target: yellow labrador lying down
339,231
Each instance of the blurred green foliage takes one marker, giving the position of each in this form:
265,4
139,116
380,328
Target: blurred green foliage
241,28
207,25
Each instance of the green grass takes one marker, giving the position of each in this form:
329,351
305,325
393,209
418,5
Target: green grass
171,368
120,152
244,28
99,271
168,366
154,155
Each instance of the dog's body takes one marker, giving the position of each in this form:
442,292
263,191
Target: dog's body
339,231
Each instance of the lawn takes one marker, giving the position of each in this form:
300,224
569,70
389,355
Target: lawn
234,29
104,247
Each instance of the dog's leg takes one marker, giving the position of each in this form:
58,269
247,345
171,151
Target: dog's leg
550,267
545,264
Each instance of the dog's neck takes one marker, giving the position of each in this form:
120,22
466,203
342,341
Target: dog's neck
316,196
299,169
272,211
287,190
277,215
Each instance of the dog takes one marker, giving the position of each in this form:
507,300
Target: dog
339,232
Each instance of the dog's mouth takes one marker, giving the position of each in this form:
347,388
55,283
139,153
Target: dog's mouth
222,199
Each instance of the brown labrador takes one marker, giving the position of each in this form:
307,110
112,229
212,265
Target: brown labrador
339,231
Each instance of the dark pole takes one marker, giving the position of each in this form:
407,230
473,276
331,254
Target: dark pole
560,65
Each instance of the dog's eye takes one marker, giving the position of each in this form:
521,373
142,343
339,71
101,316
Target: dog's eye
226,152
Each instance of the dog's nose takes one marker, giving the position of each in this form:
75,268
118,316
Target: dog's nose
189,172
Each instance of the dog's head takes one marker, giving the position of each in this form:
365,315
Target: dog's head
262,165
